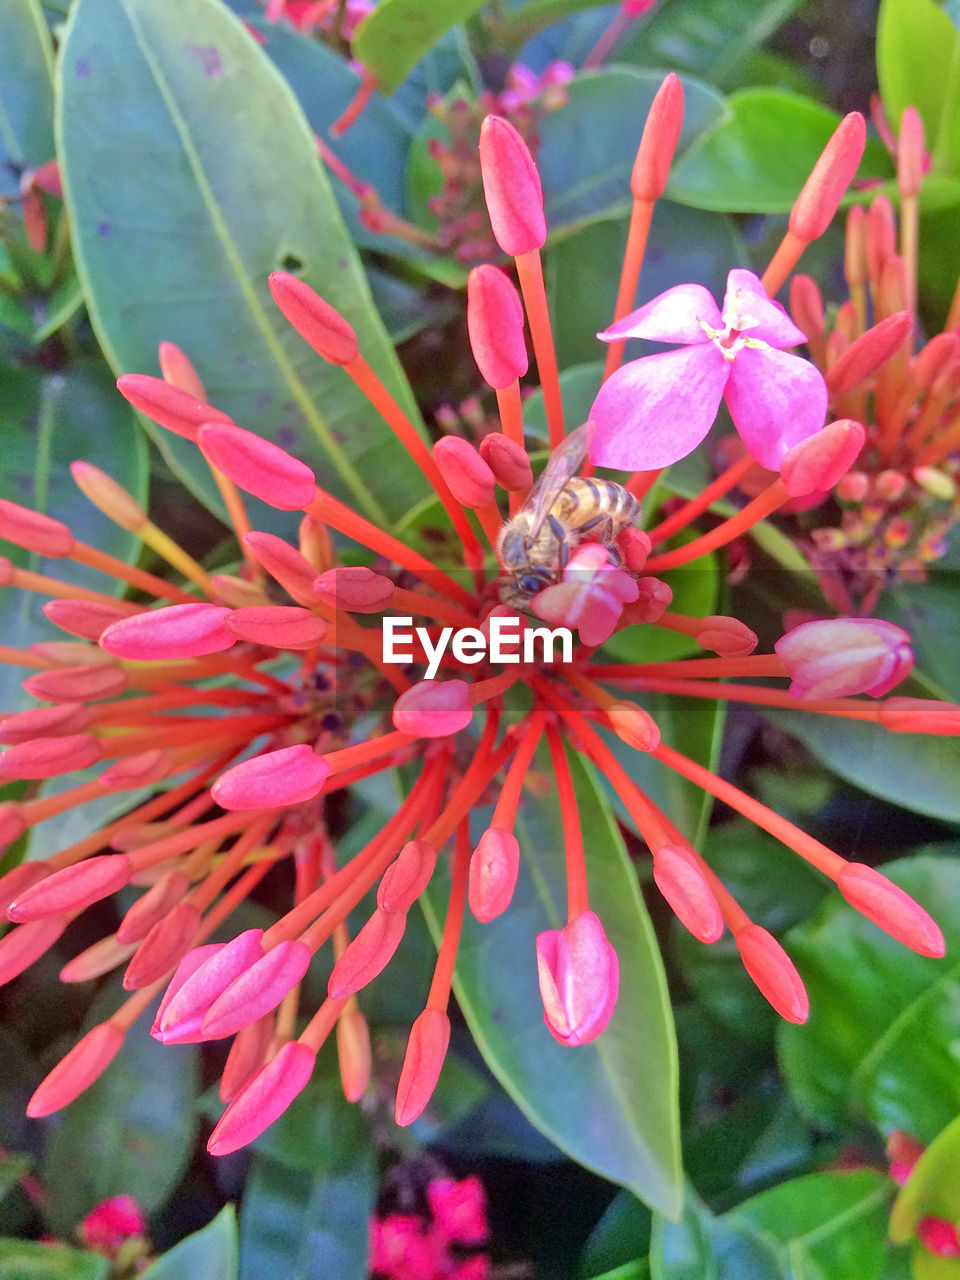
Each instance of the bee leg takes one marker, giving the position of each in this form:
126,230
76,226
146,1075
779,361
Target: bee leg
592,524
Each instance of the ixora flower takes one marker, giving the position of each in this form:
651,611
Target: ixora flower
657,409
252,713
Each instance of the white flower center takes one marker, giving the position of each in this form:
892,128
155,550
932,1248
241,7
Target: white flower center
731,339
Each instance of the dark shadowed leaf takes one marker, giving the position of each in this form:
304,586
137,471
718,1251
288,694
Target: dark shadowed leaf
190,175
209,1254
612,1104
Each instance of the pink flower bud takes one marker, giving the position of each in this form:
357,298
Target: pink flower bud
511,188
182,1016
806,307
653,599
88,683
579,977
50,757
920,715
681,880
368,954
22,947
773,972
869,352
831,175
494,866
939,1237
103,957
70,653
257,991
277,626
18,879
458,1209
935,358
465,473
107,1226
881,236
165,945
407,876
187,967
272,779
495,326
634,726
433,709
247,1055
355,589
176,367
890,908
853,487
728,637
174,631
658,142
178,411
33,531
422,1063
84,618
635,547
315,320
293,571
591,596
264,1099
823,459
142,770
911,152
108,496
507,460
73,888
85,1062
842,656
353,1053
257,466
151,907
43,722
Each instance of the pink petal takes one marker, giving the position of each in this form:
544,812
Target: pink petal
776,400
672,316
746,297
658,409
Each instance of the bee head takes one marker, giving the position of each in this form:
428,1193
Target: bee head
519,589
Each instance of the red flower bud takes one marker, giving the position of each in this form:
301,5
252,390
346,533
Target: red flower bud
368,954
22,947
579,977
108,496
174,631
165,945
354,588
891,908
293,571
822,192
257,466
422,1063
272,779
494,866
495,327
511,188
407,876
133,772
181,1018
78,684
178,411
806,307
869,352
838,657
257,991
353,1053
247,1053
658,142
727,637
433,708
73,888
464,471
920,715
773,972
263,1099
911,152
152,906
634,726
681,880
277,626
315,320
177,369
42,722
84,618
34,531
509,463
823,459
85,1062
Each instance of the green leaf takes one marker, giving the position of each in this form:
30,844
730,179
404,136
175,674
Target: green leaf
880,1042
396,35
221,184
46,421
757,160
311,1191
933,1188
619,1238
702,1247
26,91
625,1082
918,65
131,1132
208,1254
32,1260
919,772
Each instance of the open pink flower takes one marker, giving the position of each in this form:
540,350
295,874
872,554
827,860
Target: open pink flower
657,409
591,596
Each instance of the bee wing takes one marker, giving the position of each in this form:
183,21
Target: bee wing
563,463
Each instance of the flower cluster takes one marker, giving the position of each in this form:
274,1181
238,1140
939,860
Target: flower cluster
404,1246
231,707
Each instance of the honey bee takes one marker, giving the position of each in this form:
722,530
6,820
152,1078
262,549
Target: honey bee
560,510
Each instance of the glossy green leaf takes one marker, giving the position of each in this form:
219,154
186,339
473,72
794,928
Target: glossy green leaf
917,771
611,1105
190,174
130,1133
880,1044
396,35
208,1254
46,421
26,91
703,1247
933,1188
620,1237
918,65
757,161
311,1192
927,611
33,1260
